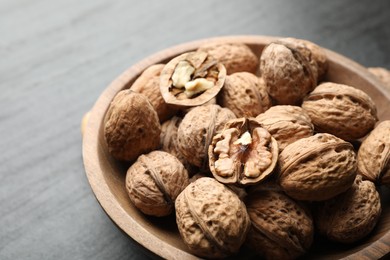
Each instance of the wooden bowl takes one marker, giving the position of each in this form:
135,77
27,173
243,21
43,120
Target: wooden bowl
160,235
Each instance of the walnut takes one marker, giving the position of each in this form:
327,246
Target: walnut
212,220
286,124
245,94
317,168
373,157
287,72
148,83
154,181
382,74
236,57
191,79
131,126
197,130
341,110
281,228
315,54
243,153
352,215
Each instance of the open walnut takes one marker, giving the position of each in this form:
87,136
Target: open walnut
154,181
243,153
212,220
131,126
317,168
374,155
341,110
236,57
351,215
286,124
288,72
197,129
245,94
148,84
191,79
281,228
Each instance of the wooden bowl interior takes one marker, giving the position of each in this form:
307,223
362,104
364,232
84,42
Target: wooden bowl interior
160,235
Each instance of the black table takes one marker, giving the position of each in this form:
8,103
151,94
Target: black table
56,57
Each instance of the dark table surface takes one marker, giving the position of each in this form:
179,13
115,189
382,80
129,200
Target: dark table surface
56,57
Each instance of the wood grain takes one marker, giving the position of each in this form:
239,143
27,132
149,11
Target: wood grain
57,57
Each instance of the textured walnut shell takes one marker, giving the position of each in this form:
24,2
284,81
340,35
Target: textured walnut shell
154,181
317,168
197,129
131,126
286,124
383,75
373,157
232,162
212,220
148,84
281,228
245,94
235,57
287,73
206,66
352,215
315,54
341,110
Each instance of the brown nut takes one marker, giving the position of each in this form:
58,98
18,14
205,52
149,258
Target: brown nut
315,54
148,84
197,130
341,110
317,168
281,228
373,157
243,153
212,220
236,57
245,94
191,79
154,181
352,215
287,73
131,126
383,75
286,124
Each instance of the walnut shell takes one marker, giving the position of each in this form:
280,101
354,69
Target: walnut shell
197,129
245,94
315,54
317,168
154,181
148,83
341,110
212,220
236,57
243,153
191,79
287,73
383,75
131,126
281,228
352,215
373,159
286,124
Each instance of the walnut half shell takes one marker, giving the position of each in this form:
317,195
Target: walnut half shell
243,153
191,79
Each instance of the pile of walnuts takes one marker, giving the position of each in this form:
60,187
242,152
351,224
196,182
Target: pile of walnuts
254,151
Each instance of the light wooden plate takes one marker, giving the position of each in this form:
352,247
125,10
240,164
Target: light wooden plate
160,236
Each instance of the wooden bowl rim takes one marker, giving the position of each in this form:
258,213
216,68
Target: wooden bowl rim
91,147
